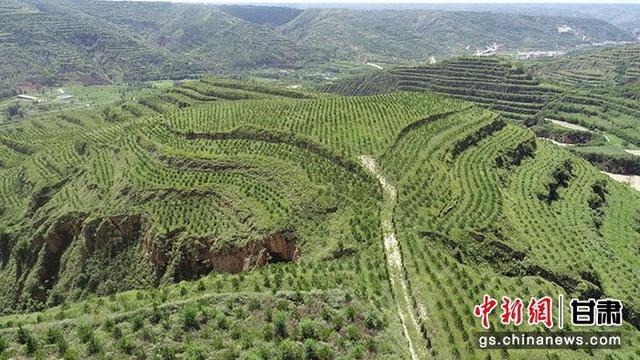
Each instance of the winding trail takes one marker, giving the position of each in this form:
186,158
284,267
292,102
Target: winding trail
399,286
569,125
556,142
632,180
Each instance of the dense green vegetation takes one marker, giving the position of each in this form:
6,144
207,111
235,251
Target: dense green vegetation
624,15
150,208
613,65
393,36
47,42
44,43
225,176
515,90
492,82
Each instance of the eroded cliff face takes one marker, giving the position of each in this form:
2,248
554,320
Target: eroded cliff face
195,257
115,232
52,245
52,260
74,255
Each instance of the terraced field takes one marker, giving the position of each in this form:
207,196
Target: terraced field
518,94
493,83
452,257
598,110
613,65
255,200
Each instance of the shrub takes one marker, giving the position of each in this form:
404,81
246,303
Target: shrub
268,332
371,345
70,354
337,322
308,329
311,348
290,350
195,351
4,344
137,323
254,304
357,352
236,332
325,314
280,325
217,342
93,345
85,333
189,317
22,335
14,111
31,344
352,332
324,352
156,314
201,287
229,354
351,313
54,335
126,345
63,347
108,325
167,353
222,322
116,332
373,321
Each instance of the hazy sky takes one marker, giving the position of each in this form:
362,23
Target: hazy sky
402,1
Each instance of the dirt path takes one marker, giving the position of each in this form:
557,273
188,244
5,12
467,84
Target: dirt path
569,125
631,180
399,286
556,142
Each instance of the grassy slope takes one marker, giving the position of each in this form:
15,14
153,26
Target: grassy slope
517,93
614,65
236,171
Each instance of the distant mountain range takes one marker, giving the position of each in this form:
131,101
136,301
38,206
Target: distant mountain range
624,16
46,41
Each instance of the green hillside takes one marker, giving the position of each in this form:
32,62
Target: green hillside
518,93
46,45
293,202
46,42
604,67
393,36
492,82
200,181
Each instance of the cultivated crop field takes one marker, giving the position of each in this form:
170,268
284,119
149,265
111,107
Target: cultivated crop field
536,95
234,219
309,182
